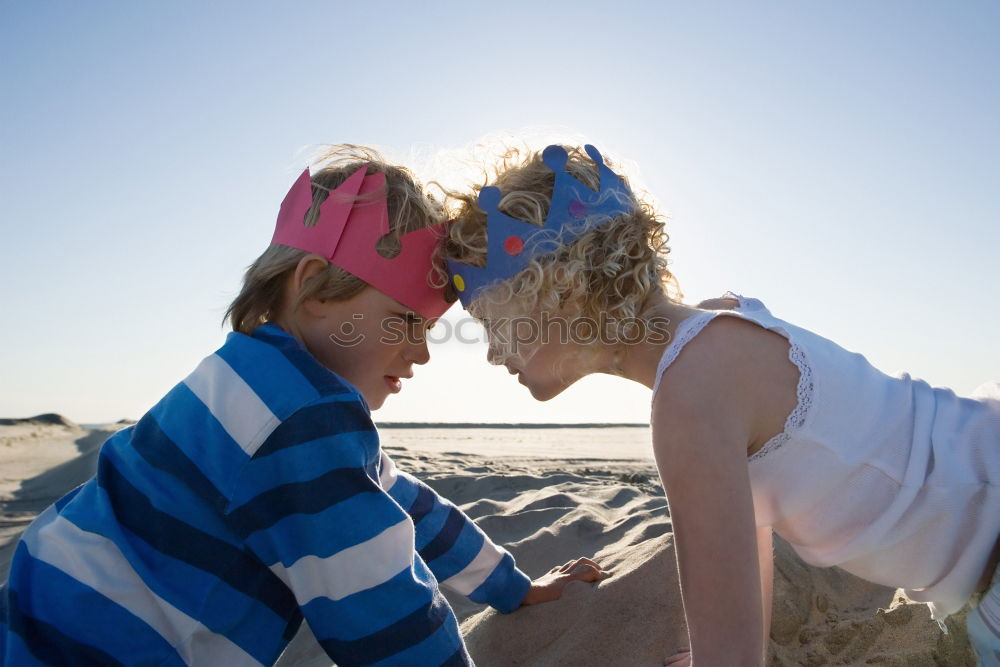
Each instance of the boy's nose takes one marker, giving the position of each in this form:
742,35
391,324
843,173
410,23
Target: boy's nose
419,353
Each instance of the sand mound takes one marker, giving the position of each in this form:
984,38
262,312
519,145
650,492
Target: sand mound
548,511
607,624
821,616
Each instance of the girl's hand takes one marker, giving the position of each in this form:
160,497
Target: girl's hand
682,658
550,586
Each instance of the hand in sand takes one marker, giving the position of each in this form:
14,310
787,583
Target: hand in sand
681,658
550,586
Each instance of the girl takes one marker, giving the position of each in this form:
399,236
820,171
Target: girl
254,494
758,424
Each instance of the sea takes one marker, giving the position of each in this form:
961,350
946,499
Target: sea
555,441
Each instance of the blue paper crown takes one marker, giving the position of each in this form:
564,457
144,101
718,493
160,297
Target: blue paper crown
574,210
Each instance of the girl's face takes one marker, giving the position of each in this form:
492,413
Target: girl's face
547,351
371,340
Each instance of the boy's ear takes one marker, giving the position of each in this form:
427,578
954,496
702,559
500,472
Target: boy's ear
308,268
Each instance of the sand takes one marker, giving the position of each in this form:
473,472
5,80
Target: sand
549,504
41,458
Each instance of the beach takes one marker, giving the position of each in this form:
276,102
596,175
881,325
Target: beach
550,495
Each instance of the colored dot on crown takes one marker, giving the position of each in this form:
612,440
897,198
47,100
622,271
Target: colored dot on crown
577,209
513,245
459,283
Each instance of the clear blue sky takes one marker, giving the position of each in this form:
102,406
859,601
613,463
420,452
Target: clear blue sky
839,161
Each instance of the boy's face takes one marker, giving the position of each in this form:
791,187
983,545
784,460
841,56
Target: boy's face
371,340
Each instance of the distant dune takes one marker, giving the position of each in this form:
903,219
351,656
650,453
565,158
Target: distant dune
49,418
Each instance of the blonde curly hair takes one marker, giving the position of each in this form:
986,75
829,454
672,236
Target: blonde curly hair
409,208
611,270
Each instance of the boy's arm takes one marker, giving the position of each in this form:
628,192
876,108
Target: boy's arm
308,505
457,551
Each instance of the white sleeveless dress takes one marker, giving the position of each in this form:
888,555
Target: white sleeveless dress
886,477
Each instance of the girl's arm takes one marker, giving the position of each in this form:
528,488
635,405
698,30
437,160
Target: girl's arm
701,421
765,552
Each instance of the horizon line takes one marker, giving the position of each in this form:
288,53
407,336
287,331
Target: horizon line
391,425
55,419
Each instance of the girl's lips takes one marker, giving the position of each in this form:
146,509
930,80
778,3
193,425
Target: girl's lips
394,384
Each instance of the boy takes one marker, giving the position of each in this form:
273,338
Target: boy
255,493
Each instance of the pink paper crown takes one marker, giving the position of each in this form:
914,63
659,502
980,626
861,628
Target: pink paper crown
351,221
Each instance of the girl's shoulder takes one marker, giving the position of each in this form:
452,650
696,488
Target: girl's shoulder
731,341
721,303
720,329
737,365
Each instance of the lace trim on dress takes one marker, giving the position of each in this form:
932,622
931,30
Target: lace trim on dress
804,390
804,395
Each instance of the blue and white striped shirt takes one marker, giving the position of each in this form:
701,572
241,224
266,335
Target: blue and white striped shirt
252,495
